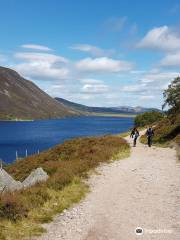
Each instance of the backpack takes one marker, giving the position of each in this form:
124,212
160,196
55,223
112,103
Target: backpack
136,135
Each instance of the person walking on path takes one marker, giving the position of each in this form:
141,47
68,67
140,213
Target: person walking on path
135,135
149,134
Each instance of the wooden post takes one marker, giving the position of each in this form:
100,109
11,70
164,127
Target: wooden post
1,167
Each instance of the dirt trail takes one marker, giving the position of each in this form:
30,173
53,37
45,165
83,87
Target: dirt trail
140,191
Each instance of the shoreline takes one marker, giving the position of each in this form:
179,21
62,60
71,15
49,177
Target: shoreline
119,115
121,135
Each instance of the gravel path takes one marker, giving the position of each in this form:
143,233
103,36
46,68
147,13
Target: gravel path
140,191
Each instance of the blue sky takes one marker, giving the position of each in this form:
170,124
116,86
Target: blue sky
100,53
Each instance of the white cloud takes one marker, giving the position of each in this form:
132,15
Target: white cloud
36,47
158,77
161,38
40,57
171,60
91,81
93,50
150,85
134,87
42,66
95,88
103,64
147,97
42,71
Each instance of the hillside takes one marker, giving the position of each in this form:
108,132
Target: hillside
113,110
167,126
166,131
67,165
22,99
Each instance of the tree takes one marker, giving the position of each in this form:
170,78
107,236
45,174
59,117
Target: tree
172,96
148,118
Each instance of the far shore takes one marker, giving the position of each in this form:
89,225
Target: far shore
118,115
114,115
16,120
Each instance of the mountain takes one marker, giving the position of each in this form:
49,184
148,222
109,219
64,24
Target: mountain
114,110
22,99
135,110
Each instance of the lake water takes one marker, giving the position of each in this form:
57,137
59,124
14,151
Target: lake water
40,135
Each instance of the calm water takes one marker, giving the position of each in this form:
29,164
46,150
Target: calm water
41,135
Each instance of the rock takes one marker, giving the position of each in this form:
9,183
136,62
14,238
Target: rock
7,183
38,175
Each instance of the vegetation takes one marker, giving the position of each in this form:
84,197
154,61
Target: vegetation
172,96
22,212
148,118
113,114
167,130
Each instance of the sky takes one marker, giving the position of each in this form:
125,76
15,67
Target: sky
98,53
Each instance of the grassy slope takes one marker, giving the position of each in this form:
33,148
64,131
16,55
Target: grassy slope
166,131
22,213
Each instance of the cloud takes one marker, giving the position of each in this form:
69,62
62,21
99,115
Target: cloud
103,64
36,47
42,66
158,77
91,81
134,88
160,38
40,57
171,60
147,97
93,50
151,83
115,24
147,89
95,88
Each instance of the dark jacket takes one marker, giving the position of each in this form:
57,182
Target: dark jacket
150,132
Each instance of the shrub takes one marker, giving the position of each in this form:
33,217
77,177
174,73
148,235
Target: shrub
166,130
65,162
11,207
148,118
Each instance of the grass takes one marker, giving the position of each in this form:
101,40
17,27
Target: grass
58,201
23,212
166,133
113,114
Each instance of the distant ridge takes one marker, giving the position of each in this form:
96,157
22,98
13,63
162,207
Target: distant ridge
114,110
22,99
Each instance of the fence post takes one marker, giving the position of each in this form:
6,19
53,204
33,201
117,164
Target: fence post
1,167
16,155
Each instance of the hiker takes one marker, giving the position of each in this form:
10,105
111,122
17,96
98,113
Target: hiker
135,135
149,134
132,132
